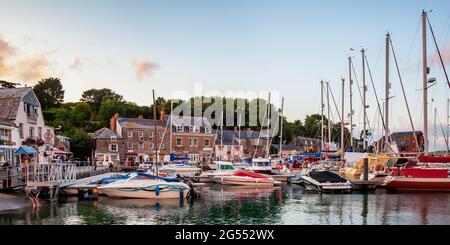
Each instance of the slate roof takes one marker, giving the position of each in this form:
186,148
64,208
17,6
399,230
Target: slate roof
288,147
245,134
10,101
104,133
139,123
189,121
304,141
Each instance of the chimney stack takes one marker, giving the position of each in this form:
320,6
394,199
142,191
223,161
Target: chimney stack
112,122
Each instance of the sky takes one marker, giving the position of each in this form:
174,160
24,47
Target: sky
286,47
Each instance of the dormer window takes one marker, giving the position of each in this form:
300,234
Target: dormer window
180,129
207,130
113,138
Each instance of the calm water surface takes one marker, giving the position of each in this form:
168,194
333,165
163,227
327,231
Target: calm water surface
231,205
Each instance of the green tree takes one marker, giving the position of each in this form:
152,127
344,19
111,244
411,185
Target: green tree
80,142
109,107
50,92
6,84
94,97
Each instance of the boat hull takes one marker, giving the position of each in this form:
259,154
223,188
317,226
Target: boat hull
243,181
419,184
144,194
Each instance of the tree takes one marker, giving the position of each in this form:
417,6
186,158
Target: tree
6,84
94,97
109,107
82,113
50,92
80,142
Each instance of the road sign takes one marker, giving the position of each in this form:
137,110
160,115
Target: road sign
48,135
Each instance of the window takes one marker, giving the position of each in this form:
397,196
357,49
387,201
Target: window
194,129
161,135
179,142
113,138
130,145
193,142
207,130
130,134
191,129
21,130
114,157
150,134
113,147
141,134
151,146
161,146
141,145
31,132
180,129
206,142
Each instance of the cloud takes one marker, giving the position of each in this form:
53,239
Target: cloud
6,52
76,64
143,68
433,59
31,68
24,69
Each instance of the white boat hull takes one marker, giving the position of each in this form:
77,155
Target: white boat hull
243,181
143,194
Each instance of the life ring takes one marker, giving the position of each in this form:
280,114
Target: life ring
279,166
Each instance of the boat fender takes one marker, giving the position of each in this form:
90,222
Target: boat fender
279,166
157,190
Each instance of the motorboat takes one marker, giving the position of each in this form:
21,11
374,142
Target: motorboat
325,181
223,169
259,165
419,179
378,164
181,169
142,187
245,178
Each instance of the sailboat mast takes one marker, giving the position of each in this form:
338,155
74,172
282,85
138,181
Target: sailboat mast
268,126
388,86
171,123
448,122
425,82
351,98
363,51
321,112
281,125
435,130
329,120
155,132
342,115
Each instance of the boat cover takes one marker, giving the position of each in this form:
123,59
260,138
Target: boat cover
434,159
250,174
326,176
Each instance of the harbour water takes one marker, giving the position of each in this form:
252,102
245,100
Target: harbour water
284,205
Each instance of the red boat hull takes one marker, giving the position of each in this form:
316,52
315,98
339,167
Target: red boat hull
434,159
419,184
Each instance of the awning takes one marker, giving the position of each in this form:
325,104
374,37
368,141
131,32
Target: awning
26,150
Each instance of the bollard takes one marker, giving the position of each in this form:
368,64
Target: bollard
366,169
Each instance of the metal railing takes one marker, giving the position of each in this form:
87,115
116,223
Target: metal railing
51,173
11,177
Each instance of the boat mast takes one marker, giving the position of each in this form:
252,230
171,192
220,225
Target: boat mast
351,99
329,120
170,138
425,82
321,112
342,115
155,133
448,122
281,125
268,126
435,130
221,133
388,86
363,51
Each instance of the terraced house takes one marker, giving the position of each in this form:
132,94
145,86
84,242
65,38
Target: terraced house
23,127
